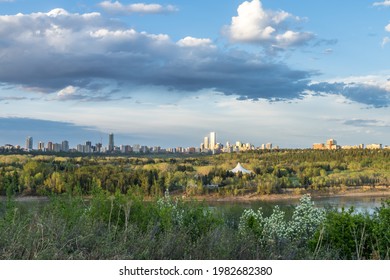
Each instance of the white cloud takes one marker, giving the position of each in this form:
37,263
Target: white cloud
380,81
68,91
384,3
385,41
117,7
57,12
254,24
86,57
195,42
293,38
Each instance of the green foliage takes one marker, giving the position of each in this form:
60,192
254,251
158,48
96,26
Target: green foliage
350,235
381,231
123,226
274,172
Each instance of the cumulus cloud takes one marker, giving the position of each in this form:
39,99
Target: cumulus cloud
387,27
195,42
86,57
118,8
48,52
254,24
383,3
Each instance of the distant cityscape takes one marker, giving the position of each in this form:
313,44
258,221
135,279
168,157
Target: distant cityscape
209,145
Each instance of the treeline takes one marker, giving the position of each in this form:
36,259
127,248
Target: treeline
272,172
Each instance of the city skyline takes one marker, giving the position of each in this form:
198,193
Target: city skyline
165,72
208,145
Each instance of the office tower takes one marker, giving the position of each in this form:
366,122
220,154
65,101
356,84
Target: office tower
29,143
213,140
111,142
65,146
50,146
41,146
268,146
57,147
99,147
206,143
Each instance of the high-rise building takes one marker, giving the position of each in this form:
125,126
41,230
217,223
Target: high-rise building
65,146
29,143
41,146
57,147
99,147
50,146
206,143
331,144
111,142
213,140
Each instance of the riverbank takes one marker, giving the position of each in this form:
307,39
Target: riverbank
364,191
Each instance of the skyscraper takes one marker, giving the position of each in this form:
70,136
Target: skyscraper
41,146
50,146
111,142
29,143
206,142
213,140
65,146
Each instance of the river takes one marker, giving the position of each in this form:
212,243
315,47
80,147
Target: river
361,204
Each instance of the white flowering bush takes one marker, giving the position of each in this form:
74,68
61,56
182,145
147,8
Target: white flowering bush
251,223
169,212
263,228
194,219
275,226
305,221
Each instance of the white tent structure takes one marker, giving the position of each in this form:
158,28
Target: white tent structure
241,169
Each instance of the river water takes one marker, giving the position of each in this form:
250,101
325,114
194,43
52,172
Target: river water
361,204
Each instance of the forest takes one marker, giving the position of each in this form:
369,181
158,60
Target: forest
273,172
115,207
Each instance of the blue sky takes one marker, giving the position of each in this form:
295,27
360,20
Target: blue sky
169,72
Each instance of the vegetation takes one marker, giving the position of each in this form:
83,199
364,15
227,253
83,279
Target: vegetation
119,207
273,172
125,227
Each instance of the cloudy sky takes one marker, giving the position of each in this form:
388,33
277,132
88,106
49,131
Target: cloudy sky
169,72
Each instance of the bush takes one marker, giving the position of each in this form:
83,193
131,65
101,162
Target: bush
276,235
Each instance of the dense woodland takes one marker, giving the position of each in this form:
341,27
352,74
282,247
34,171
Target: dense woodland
273,172
95,207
